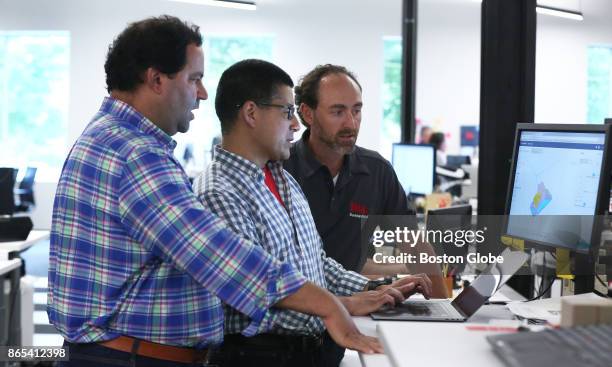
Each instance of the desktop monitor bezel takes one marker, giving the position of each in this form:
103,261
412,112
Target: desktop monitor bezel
604,183
433,181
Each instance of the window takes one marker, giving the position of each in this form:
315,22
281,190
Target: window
391,93
220,52
599,96
34,77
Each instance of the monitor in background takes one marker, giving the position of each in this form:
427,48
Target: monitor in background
469,135
453,218
415,165
7,184
559,183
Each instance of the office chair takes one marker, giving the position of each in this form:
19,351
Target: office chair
26,191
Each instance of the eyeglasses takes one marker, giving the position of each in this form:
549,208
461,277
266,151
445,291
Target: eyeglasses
289,109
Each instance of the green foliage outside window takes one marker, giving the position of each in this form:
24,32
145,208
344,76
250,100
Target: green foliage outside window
220,52
599,103
391,94
34,81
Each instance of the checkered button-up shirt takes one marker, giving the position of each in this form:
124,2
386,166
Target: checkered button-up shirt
133,251
234,189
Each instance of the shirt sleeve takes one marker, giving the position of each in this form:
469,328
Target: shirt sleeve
159,209
340,281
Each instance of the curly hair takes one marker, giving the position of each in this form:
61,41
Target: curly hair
158,42
307,90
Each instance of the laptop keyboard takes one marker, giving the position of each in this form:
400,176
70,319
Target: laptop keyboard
433,309
578,346
421,309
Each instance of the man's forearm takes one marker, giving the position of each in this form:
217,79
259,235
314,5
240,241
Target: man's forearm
312,300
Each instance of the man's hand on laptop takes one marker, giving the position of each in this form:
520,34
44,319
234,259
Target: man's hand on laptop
407,286
363,303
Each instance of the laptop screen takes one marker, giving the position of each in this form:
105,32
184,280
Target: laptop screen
486,284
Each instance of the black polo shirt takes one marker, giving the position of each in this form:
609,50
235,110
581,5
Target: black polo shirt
366,185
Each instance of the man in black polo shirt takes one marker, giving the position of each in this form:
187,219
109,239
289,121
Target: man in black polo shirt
344,183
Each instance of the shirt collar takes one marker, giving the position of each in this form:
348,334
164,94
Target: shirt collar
352,162
237,165
129,114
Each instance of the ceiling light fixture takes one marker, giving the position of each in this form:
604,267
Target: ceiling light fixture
557,12
568,14
233,4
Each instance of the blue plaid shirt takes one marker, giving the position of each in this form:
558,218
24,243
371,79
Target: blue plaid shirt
133,252
234,189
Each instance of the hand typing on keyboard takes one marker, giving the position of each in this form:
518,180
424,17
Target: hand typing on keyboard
407,286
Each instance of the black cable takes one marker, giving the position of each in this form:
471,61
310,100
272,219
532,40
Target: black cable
540,291
543,292
602,283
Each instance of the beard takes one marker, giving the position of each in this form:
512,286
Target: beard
342,142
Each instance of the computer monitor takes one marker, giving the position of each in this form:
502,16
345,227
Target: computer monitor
559,184
415,166
469,135
7,184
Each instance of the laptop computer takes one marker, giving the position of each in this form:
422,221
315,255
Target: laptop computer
466,303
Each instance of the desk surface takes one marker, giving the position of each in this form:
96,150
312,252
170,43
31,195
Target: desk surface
410,343
19,246
436,344
6,266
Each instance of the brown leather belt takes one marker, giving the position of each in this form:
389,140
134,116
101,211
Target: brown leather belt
157,351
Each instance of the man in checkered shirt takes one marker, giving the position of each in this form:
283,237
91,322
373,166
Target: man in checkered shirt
246,186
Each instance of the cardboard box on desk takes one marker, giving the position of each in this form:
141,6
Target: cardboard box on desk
576,312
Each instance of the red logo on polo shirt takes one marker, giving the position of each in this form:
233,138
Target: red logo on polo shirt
358,210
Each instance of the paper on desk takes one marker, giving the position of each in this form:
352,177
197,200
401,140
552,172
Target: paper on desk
548,309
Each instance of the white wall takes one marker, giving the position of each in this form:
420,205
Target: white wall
308,32
448,66
561,61
347,32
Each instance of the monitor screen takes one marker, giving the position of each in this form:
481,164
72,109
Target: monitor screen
555,184
415,165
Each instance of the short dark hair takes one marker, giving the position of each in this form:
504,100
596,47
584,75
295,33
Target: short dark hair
159,42
307,90
247,80
436,140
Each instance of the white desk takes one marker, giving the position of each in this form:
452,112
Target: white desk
10,332
13,250
7,266
409,343
20,246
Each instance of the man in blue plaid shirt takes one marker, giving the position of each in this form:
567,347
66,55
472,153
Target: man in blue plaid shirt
138,268
247,187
